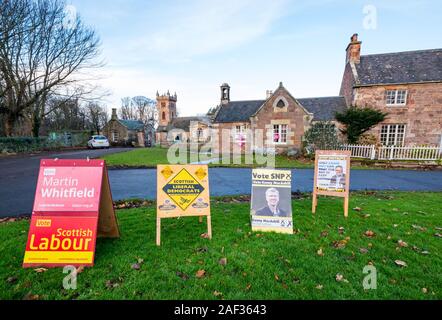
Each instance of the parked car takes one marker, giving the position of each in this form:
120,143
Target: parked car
98,142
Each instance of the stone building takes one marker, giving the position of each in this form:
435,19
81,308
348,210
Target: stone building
281,118
173,129
406,85
128,132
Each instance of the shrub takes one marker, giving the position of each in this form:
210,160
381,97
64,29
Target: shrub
322,136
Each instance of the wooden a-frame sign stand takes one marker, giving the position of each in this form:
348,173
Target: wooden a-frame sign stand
183,191
317,190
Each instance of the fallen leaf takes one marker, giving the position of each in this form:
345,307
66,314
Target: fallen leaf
296,280
11,280
341,230
80,269
438,235
319,287
205,236
30,296
339,277
369,234
402,244
418,227
339,244
140,261
136,266
395,226
217,293
363,250
400,263
424,290
223,261
248,287
276,277
40,270
357,209
200,274
324,234
320,252
425,252
111,284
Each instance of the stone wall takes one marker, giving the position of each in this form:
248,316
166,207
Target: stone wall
422,114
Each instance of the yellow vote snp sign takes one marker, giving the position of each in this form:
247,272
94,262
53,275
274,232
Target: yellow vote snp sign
182,191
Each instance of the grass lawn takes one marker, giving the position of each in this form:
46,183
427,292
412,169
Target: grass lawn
151,157
259,266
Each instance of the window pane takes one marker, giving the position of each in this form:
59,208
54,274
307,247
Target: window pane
390,96
401,95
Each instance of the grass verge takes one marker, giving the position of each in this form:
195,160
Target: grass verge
258,265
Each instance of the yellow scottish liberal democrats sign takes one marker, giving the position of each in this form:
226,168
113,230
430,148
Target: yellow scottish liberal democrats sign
182,190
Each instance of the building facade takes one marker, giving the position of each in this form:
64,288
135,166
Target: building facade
277,123
127,132
173,129
406,85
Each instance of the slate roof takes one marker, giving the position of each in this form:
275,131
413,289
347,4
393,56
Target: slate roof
323,109
135,125
238,111
400,67
182,123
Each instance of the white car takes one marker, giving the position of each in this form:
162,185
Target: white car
98,142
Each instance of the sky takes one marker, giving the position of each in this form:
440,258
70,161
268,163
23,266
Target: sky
191,47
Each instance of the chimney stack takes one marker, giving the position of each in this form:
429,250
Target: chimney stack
114,114
269,93
354,50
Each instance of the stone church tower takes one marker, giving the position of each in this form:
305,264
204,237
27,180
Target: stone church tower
166,107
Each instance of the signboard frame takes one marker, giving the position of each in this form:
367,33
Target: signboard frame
346,193
277,182
99,214
165,175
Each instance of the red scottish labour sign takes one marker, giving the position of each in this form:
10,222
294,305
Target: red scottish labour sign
73,204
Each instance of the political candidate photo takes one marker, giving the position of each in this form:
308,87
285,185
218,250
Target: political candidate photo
271,202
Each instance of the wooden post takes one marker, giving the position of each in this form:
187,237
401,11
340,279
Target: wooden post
158,231
209,226
346,206
315,201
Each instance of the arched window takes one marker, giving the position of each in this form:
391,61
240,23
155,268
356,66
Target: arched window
163,116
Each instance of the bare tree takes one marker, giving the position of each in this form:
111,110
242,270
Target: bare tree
97,116
139,108
42,50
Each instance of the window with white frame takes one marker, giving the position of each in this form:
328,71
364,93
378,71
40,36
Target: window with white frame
115,136
280,133
393,134
396,97
240,133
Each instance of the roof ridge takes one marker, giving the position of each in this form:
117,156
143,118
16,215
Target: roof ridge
324,97
255,100
398,52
